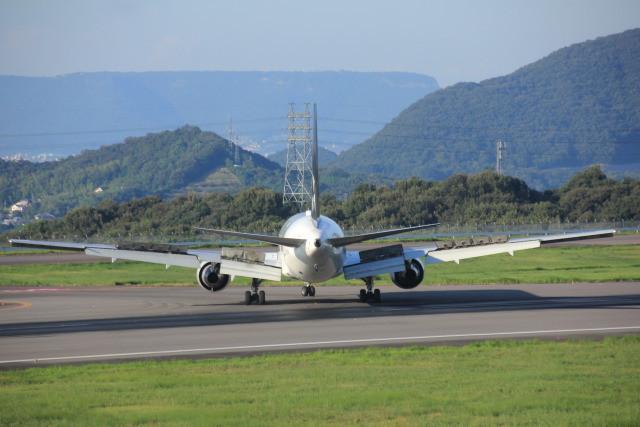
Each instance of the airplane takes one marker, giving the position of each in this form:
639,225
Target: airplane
312,249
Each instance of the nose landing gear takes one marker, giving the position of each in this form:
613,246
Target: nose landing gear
308,290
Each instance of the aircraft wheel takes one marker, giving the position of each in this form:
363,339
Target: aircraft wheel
262,298
305,291
247,297
312,291
376,295
363,295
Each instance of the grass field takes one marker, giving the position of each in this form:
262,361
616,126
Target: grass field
546,265
491,383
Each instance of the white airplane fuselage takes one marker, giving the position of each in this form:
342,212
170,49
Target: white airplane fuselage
316,260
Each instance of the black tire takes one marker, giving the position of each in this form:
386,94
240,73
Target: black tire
305,291
312,291
247,297
376,295
262,298
363,295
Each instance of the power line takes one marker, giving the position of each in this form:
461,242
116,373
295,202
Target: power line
477,128
437,138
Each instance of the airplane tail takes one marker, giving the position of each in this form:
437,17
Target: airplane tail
315,183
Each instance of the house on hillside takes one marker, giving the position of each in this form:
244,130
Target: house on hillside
21,205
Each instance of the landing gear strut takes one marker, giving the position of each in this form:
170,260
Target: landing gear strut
308,290
370,295
253,295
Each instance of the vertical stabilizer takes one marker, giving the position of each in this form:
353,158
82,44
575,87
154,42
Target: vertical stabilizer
315,202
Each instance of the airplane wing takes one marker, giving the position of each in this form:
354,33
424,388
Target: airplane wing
233,262
391,259
483,246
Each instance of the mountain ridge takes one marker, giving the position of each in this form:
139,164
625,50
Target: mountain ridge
573,108
69,113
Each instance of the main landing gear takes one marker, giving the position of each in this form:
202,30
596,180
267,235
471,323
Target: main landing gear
370,295
253,295
308,290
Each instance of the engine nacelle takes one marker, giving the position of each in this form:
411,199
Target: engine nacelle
411,277
210,279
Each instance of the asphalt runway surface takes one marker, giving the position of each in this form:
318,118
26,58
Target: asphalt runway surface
114,324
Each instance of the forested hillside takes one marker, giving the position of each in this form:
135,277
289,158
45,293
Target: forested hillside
486,197
577,107
166,164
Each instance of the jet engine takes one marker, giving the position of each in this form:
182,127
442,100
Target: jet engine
411,277
210,279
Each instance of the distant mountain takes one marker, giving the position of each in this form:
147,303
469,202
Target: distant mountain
577,107
67,114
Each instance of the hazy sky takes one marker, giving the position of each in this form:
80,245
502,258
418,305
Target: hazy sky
450,40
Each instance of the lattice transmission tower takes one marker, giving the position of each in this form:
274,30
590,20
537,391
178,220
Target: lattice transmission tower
297,177
234,143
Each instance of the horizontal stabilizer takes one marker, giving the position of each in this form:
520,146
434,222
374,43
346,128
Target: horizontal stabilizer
44,244
276,240
344,241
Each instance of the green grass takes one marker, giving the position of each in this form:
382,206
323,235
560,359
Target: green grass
101,273
491,383
546,265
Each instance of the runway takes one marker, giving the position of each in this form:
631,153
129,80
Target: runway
110,324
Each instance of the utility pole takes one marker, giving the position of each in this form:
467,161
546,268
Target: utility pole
501,146
298,169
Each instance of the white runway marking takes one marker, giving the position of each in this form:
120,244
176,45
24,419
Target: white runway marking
17,291
316,343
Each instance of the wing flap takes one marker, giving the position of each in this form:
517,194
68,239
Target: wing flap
246,269
390,265
247,263
386,259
